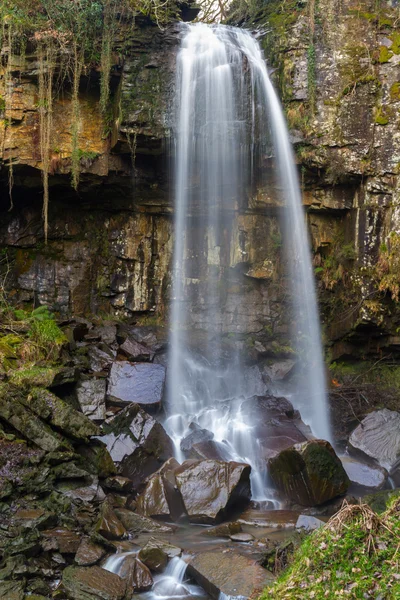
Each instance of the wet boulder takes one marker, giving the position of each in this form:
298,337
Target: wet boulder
109,525
92,583
211,489
229,574
137,443
140,383
136,574
378,436
310,473
92,398
154,557
89,553
160,498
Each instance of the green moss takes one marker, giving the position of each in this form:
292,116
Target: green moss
33,375
380,117
395,47
395,92
384,54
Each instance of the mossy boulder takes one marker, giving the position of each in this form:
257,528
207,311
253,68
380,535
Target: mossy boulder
310,473
60,414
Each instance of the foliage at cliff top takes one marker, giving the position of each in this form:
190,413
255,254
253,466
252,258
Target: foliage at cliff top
356,555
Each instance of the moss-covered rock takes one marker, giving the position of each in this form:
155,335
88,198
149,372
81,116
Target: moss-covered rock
310,473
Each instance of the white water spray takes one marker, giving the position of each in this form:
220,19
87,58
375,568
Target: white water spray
227,110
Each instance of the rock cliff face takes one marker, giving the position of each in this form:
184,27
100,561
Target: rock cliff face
110,245
338,70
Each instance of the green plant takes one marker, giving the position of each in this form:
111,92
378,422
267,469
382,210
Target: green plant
356,552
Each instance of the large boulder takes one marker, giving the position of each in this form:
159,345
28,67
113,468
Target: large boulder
92,583
309,473
137,443
137,575
160,498
211,489
141,383
378,436
154,557
229,574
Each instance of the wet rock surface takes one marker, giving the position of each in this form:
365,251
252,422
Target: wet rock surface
211,489
309,473
160,498
378,436
140,383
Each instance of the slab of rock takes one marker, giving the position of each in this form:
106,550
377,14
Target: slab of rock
31,427
308,523
229,573
137,443
365,476
135,523
211,489
136,574
141,383
92,583
378,436
60,414
310,473
160,498
92,398
89,553
135,351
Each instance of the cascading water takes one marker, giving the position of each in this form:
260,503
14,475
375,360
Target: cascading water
227,113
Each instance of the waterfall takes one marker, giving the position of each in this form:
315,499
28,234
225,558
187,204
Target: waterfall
227,117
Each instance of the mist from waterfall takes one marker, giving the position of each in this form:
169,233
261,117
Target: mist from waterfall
228,116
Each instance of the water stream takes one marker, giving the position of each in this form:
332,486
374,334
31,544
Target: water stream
228,118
